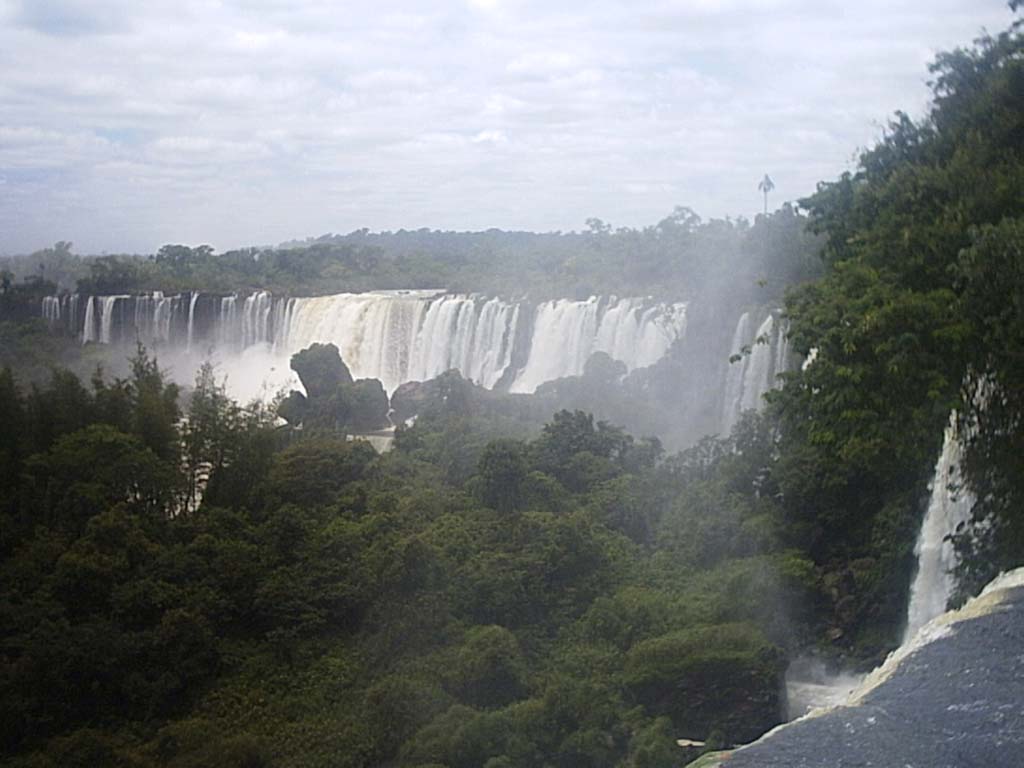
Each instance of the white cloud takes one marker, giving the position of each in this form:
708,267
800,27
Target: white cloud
543,63
124,125
484,5
490,137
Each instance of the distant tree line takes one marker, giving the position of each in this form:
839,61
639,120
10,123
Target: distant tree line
680,257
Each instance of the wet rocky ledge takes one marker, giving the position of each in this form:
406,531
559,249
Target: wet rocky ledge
951,698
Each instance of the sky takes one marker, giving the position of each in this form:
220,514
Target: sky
125,125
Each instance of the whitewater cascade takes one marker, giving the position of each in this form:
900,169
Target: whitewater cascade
408,336
394,336
753,375
566,333
949,506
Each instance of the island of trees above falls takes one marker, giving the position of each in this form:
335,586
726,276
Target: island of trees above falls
571,564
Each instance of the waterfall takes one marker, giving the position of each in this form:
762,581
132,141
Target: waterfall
566,333
51,310
191,320
227,322
396,336
948,507
733,391
256,319
89,324
748,379
399,336
757,377
107,305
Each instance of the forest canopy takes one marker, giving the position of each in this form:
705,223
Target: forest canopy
675,258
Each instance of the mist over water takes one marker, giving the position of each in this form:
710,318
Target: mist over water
811,684
256,372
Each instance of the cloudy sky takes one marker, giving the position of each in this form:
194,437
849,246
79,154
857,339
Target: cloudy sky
127,124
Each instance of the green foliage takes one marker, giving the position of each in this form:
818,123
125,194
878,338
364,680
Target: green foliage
991,275
720,676
679,257
911,320
489,669
316,470
252,600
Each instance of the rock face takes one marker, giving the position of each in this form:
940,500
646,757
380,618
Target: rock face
333,400
951,698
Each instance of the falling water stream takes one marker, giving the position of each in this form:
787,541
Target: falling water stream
394,336
809,684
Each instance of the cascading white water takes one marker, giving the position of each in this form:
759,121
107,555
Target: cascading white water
400,336
733,392
566,333
755,374
395,336
227,325
51,310
153,317
191,321
757,378
948,507
256,319
107,304
89,324
563,333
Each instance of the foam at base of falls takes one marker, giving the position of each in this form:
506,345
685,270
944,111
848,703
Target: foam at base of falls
811,686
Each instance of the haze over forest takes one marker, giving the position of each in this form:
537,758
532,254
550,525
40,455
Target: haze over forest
499,387
125,125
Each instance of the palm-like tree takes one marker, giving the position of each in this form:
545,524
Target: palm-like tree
766,185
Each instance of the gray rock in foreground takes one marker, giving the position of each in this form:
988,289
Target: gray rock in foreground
957,701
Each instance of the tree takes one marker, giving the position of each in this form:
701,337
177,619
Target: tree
94,469
991,275
503,469
155,402
211,433
766,185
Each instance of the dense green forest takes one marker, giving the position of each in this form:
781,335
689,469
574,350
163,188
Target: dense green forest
531,602
226,589
677,258
921,311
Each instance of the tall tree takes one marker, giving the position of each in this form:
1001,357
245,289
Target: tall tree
766,185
